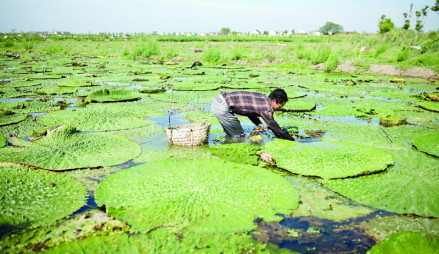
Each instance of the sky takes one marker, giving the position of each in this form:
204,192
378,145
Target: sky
84,16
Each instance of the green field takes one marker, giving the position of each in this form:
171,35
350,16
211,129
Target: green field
86,114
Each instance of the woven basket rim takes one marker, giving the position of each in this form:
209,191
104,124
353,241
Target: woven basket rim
177,127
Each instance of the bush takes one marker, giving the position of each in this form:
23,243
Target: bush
237,54
212,55
381,49
403,54
321,54
145,50
331,63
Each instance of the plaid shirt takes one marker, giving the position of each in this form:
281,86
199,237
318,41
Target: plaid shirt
253,105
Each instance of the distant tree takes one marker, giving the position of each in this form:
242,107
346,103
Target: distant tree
407,18
435,7
420,19
385,24
265,32
225,31
330,28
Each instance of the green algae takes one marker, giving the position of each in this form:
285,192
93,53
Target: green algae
237,152
97,117
382,226
94,223
323,203
328,160
65,149
211,196
407,242
34,197
409,187
114,95
427,142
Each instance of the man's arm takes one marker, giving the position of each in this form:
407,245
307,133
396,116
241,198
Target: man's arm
274,126
255,119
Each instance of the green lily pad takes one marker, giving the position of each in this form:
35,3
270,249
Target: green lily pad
195,87
207,195
237,152
34,197
428,143
114,95
299,106
393,121
8,117
3,141
54,90
407,242
409,187
31,106
328,160
97,117
430,105
323,203
65,149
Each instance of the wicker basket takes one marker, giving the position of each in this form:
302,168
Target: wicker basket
194,134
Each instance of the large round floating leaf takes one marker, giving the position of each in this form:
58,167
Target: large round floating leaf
430,105
35,197
237,152
65,149
8,117
207,195
299,106
3,141
114,95
428,143
195,86
328,160
97,117
407,242
409,187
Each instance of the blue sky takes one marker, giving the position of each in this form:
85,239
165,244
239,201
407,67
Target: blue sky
83,16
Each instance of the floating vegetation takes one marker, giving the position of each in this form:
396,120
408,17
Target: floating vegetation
430,105
21,129
407,242
237,152
8,117
391,121
65,149
427,142
114,95
31,106
94,223
409,187
299,106
34,197
323,203
97,117
328,160
197,196
3,141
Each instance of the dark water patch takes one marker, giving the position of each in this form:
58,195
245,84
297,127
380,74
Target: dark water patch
36,115
90,204
309,234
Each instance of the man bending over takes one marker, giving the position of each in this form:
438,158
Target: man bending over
250,104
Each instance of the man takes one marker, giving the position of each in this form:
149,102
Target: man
252,105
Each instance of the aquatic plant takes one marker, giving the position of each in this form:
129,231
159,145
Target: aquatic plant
114,95
406,242
8,117
323,203
207,195
33,106
430,105
427,142
237,152
3,141
97,117
21,129
92,223
328,160
298,106
409,187
64,149
34,197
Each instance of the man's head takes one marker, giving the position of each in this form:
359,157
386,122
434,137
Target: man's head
278,98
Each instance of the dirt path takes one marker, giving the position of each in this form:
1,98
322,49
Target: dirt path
416,72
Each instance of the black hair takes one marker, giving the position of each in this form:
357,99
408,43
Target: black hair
279,95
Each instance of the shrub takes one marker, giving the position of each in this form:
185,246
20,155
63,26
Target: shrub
321,54
331,63
403,54
212,55
145,50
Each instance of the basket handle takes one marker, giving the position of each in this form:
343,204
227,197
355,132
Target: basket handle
170,102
